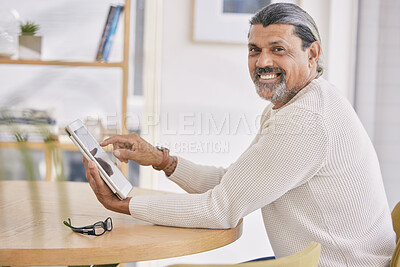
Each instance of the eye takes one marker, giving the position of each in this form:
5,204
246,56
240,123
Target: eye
254,50
278,49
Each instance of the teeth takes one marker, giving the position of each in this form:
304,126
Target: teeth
268,76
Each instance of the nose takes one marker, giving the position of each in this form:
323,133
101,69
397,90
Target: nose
264,60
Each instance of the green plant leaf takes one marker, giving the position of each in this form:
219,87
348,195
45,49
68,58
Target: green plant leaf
29,28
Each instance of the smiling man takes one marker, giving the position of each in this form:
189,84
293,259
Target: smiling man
311,169
283,58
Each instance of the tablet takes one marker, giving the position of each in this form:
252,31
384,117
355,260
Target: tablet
92,151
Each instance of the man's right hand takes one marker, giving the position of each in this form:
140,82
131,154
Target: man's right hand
133,147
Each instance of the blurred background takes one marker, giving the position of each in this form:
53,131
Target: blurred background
185,85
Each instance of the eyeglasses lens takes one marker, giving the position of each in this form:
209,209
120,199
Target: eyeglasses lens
99,228
108,224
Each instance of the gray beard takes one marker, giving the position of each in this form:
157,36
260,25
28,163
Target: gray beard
279,91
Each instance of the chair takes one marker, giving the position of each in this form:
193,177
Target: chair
396,220
396,226
308,257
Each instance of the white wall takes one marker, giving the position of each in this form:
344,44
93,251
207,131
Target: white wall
378,95
387,127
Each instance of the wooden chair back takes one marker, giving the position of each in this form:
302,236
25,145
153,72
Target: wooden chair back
396,226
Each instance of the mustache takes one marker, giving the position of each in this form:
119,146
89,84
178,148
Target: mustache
268,70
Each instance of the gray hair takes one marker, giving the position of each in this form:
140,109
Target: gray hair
285,13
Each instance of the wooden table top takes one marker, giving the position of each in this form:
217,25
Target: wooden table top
32,232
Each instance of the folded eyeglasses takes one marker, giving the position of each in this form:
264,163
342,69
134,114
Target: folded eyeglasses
96,229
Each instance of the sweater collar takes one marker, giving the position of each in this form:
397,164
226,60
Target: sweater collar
314,83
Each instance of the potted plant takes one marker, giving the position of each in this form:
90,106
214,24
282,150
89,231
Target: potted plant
30,45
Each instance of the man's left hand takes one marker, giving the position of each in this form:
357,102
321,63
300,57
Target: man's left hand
103,193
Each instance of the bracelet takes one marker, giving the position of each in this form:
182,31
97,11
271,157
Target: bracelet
169,170
165,160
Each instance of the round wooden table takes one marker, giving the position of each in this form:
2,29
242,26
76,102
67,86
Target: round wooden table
32,232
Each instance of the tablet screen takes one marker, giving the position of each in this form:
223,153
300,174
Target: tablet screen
101,157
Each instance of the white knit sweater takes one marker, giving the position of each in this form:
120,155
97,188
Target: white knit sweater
312,170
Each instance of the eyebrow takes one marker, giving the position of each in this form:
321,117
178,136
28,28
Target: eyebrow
252,45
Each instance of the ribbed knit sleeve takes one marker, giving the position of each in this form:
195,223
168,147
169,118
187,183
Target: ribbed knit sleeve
195,178
291,148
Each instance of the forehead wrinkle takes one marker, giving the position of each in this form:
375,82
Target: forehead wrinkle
279,42
280,36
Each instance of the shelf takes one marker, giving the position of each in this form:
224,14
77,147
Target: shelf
39,145
43,146
63,63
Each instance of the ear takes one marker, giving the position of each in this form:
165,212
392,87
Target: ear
314,52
